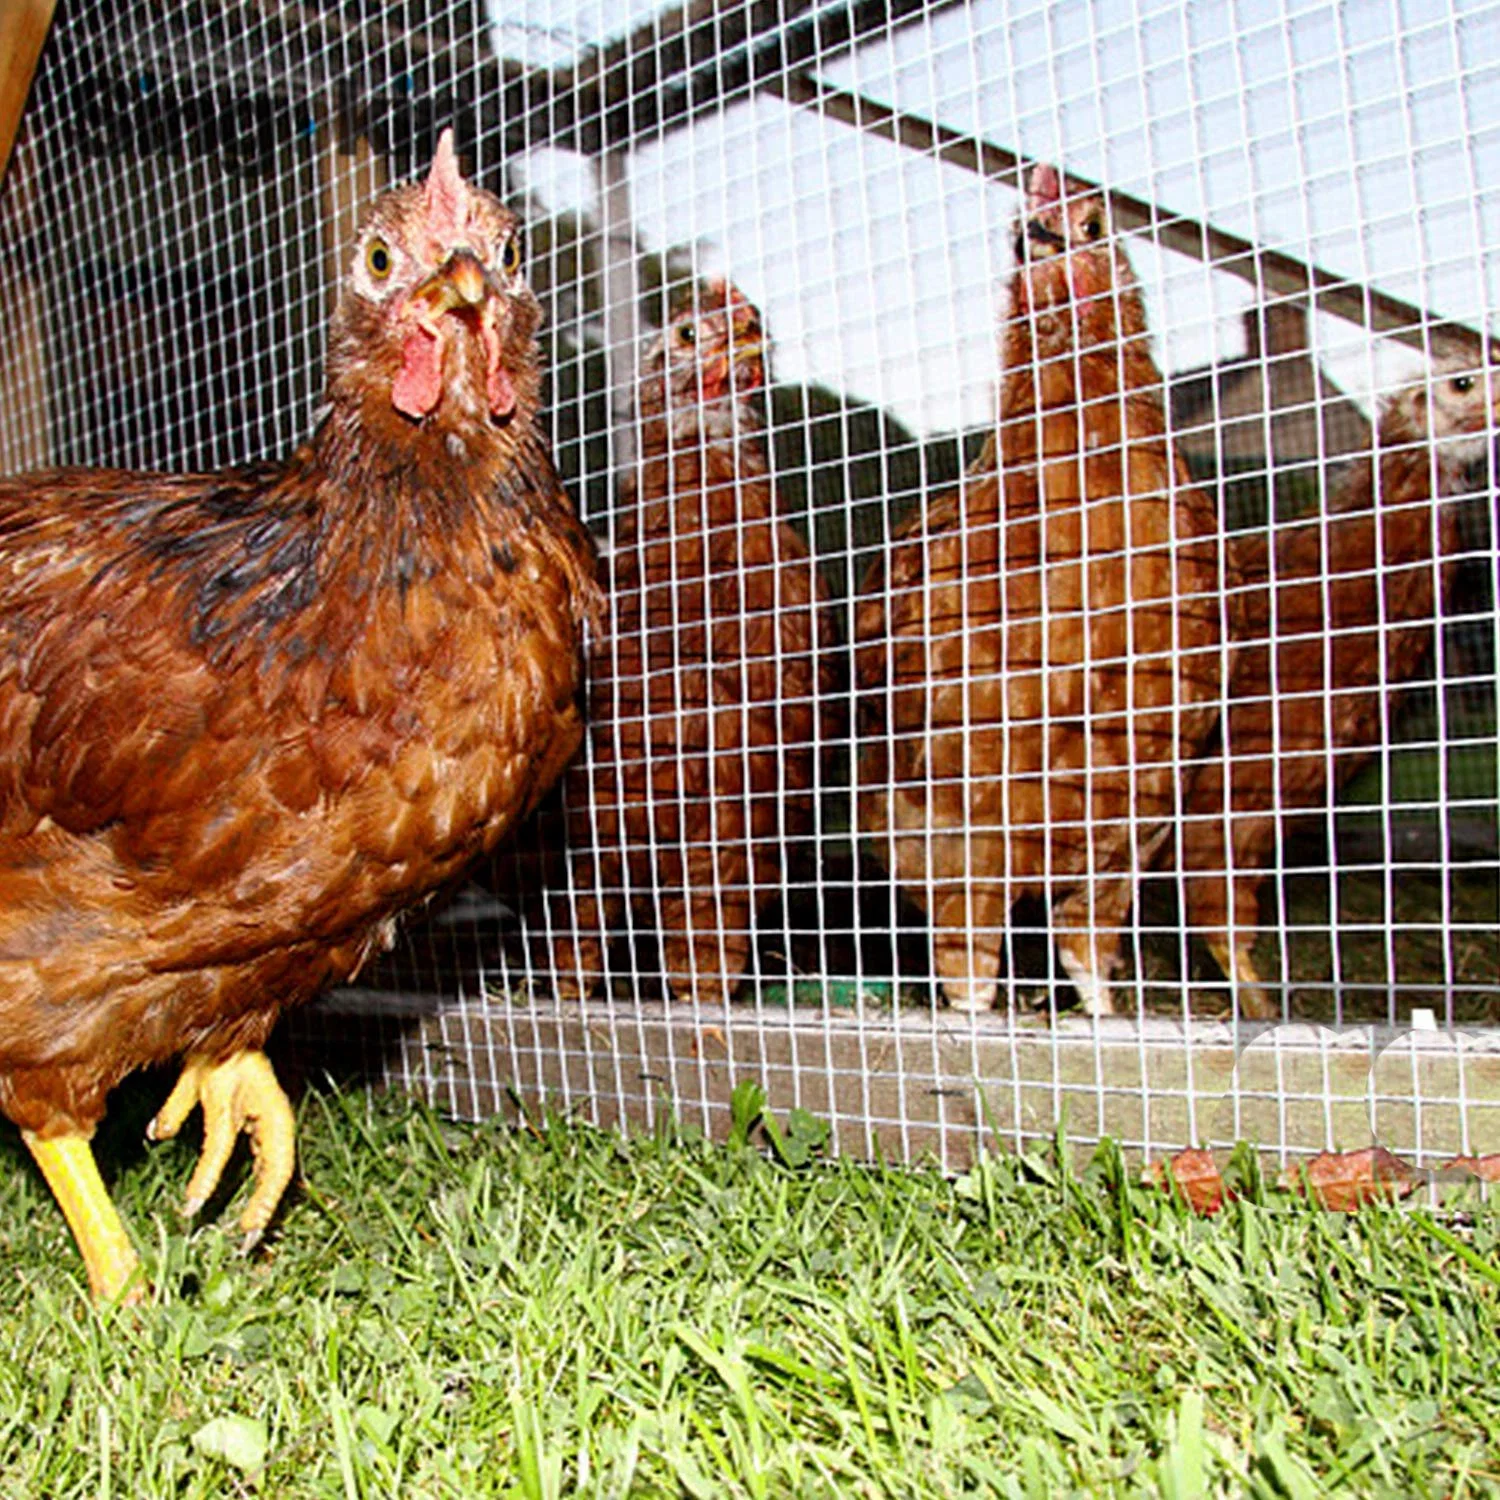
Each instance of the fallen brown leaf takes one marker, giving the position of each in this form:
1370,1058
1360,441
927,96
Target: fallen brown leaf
1343,1180
1196,1175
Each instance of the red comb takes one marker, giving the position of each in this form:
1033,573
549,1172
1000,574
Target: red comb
719,290
1045,187
445,192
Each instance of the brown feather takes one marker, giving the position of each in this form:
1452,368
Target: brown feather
251,717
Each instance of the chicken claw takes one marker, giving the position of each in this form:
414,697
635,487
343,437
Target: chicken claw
1236,964
239,1093
67,1162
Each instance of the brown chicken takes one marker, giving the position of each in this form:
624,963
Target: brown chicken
703,711
1039,658
1304,717
251,717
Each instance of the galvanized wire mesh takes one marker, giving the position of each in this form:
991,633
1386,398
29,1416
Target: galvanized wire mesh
1309,196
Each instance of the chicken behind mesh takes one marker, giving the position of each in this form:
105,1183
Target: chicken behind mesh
1336,612
703,743
1039,658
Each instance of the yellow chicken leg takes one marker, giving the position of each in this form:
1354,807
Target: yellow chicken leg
240,1093
67,1162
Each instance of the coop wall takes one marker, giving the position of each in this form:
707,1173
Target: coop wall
1310,198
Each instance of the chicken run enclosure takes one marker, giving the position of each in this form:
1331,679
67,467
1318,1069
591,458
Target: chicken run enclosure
1308,194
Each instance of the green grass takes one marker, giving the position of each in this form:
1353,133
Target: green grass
449,1310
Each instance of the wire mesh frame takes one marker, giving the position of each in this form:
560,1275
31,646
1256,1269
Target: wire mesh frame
855,172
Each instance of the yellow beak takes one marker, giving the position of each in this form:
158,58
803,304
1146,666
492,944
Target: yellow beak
459,282
748,350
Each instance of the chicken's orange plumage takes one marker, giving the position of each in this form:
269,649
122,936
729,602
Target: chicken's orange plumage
702,743
249,718
1337,611
1039,658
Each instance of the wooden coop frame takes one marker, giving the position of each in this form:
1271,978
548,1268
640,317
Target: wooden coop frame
894,1082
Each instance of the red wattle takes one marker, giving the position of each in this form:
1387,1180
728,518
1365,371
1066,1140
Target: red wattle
498,388
419,386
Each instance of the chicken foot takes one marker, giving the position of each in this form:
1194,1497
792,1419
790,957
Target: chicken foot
238,1094
577,957
67,1162
967,942
706,930
1235,964
1090,926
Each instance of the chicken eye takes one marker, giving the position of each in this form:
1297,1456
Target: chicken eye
687,333
1093,227
510,255
378,261
1462,384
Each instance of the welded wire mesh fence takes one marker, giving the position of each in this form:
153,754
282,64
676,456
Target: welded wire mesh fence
873,801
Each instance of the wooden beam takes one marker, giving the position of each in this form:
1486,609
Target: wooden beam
621,304
699,56
1271,272
23,29
352,174
916,1086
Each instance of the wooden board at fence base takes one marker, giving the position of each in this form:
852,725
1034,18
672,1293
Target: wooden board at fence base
908,1090
23,29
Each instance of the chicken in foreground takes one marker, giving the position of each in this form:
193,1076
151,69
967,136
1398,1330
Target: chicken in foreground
251,717
1337,612
1039,657
703,700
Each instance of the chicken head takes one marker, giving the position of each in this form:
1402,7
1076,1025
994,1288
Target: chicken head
435,303
709,353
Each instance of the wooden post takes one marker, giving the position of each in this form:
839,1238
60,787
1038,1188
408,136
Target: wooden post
352,173
26,439
914,1084
23,29
621,294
